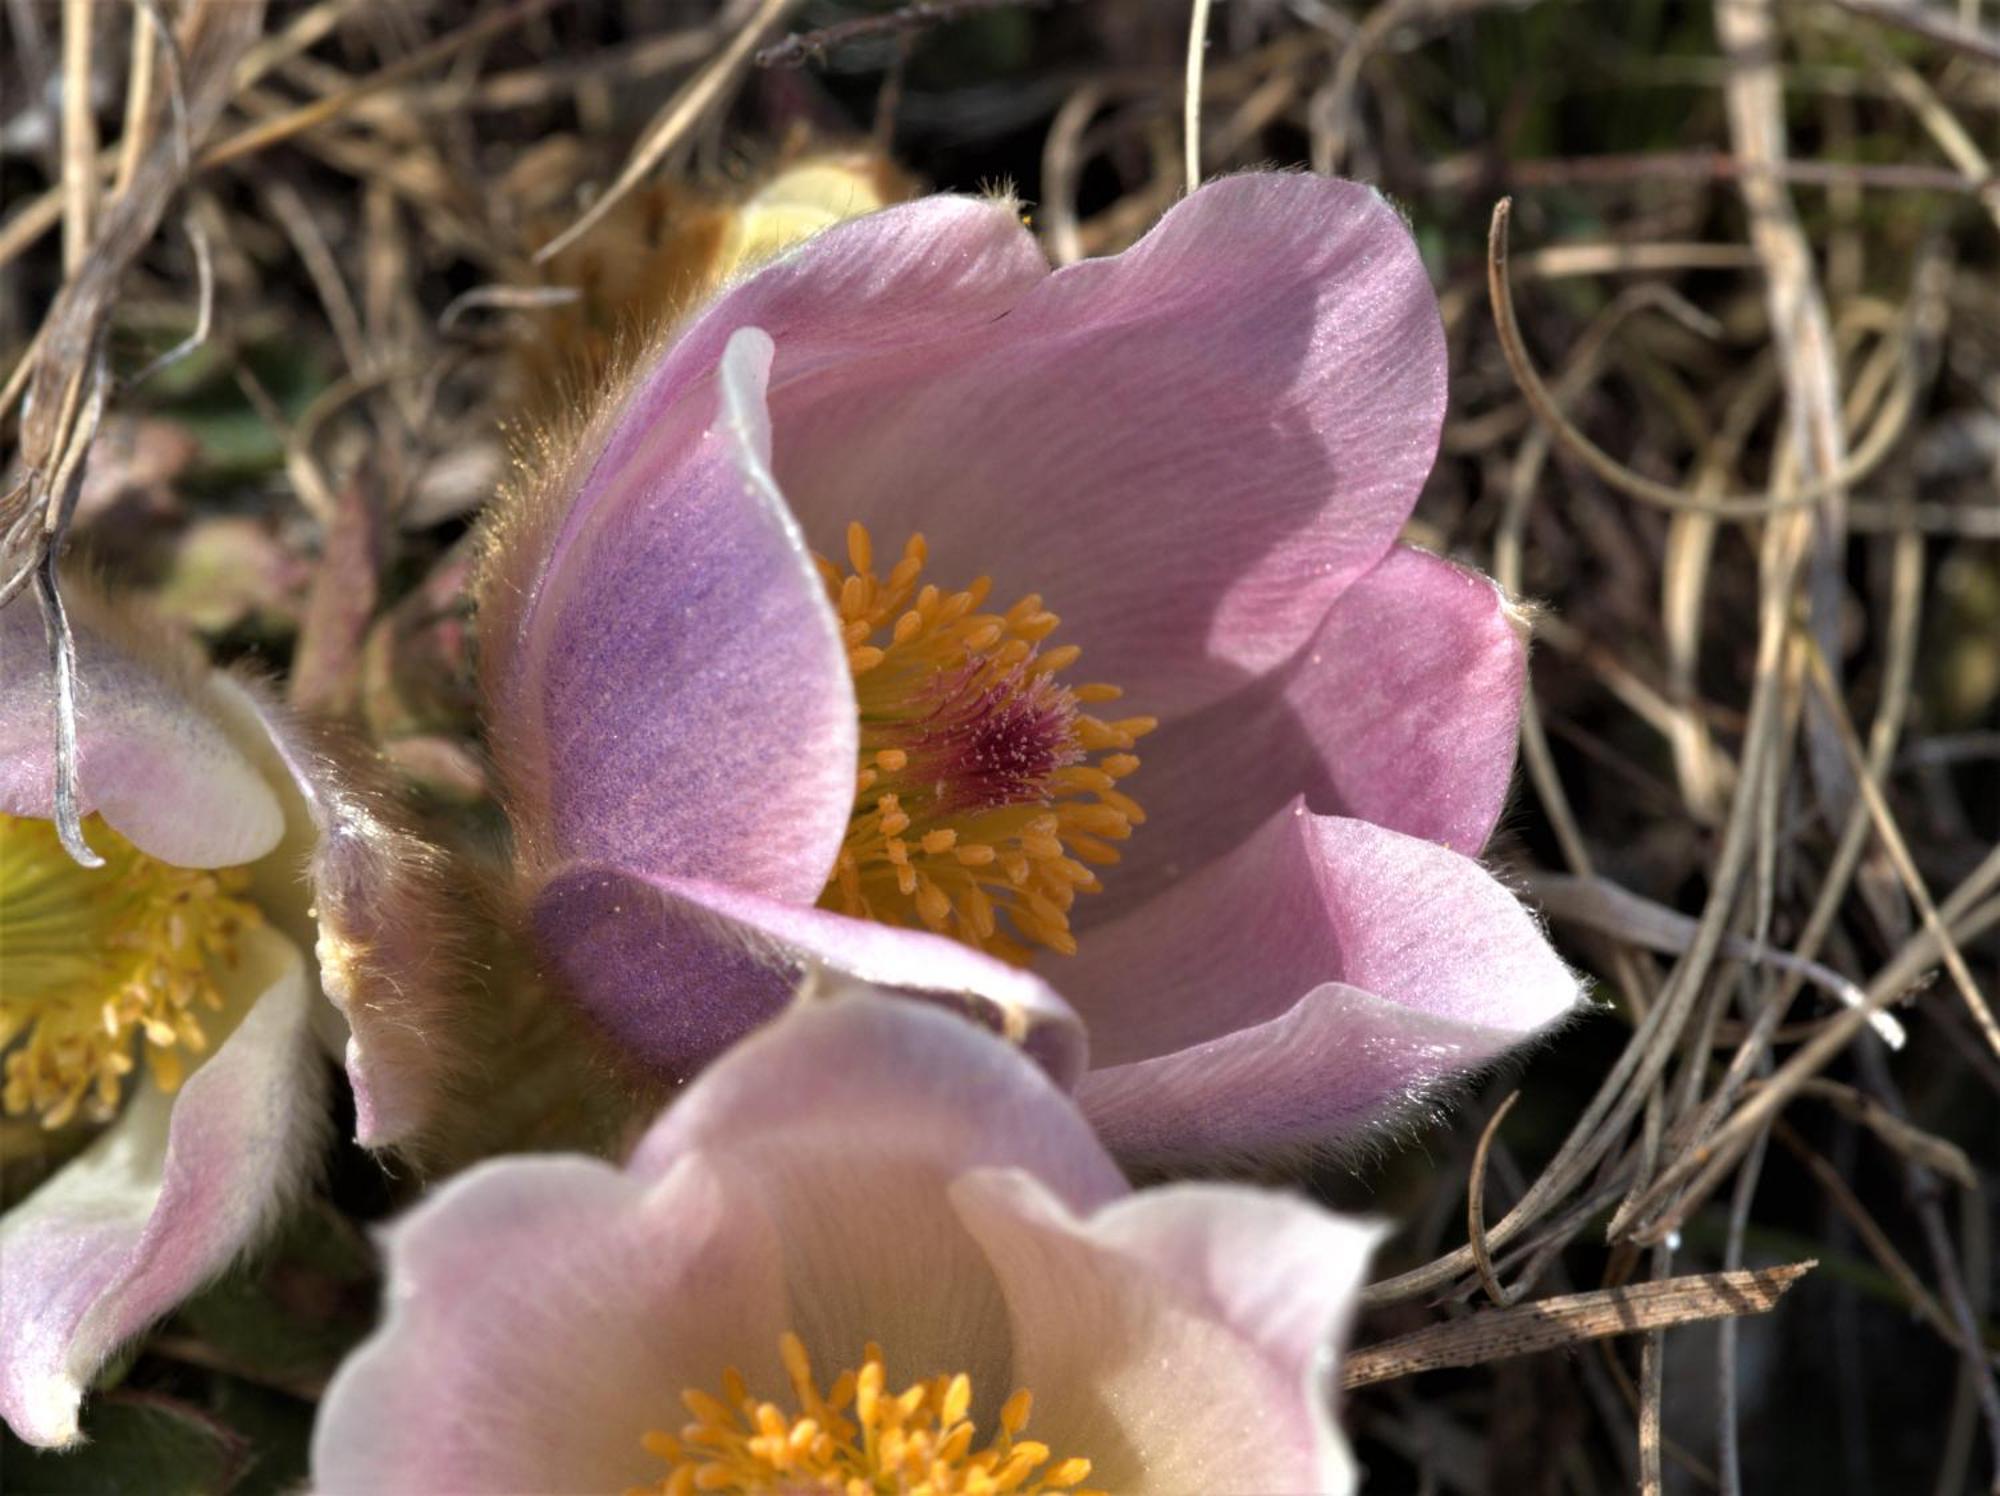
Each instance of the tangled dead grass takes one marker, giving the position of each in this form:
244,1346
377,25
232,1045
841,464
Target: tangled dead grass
1726,417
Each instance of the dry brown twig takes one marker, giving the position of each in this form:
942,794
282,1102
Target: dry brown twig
67,385
1899,853
1571,1319
1625,1091
38,216
1604,906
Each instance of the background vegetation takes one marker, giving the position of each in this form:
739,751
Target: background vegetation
1752,495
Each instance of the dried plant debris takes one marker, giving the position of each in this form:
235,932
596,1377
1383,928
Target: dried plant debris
289,292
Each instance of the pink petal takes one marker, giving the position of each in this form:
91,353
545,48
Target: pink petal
171,1192
1308,902
921,272
545,1313
1339,1062
677,969
894,1072
151,758
1179,1339
1401,710
201,769
658,651
1305,900
883,1103
1411,691
1188,450
680,661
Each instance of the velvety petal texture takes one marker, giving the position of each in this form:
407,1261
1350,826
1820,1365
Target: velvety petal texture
884,1069
871,1251
923,1186
1401,710
201,769
1183,1336
1339,1064
677,970
543,1313
1199,455
655,646
151,757
683,651
1325,973
1189,449
164,1199
1411,694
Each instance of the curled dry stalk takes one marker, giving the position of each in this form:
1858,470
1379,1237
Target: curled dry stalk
1711,1064
1625,1091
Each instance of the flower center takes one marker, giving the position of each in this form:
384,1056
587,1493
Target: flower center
986,794
856,1438
93,956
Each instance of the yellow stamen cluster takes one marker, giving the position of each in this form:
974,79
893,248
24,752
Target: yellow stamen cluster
985,795
856,1438
92,957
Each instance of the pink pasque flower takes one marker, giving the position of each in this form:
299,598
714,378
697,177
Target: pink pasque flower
158,1014
752,710
923,1211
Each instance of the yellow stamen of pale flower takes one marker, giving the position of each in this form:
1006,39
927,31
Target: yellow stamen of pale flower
856,1437
93,960
986,794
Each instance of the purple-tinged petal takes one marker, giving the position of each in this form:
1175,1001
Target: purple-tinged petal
1339,1062
545,1313
1308,902
1401,710
676,970
658,658
682,701
1180,1340
374,901
884,1102
150,757
1188,450
162,1200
